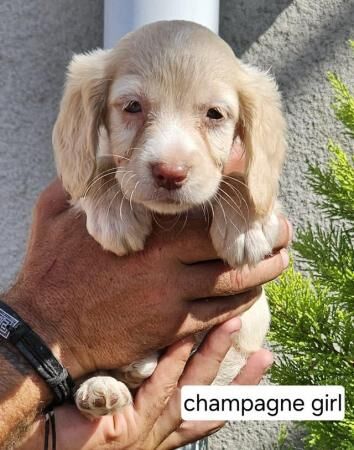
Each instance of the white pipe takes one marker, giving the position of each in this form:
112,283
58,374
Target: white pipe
122,16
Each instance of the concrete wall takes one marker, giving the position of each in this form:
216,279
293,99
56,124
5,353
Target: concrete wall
298,40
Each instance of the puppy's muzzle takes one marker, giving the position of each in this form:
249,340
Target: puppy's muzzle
170,177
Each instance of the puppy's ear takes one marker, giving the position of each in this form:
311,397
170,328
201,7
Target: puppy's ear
75,133
262,130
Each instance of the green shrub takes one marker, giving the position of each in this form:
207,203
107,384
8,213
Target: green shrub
312,311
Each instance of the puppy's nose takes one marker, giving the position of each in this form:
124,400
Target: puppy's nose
169,176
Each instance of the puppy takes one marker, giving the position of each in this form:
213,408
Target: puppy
147,127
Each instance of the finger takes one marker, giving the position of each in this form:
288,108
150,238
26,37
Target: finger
251,374
154,394
256,367
52,201
194,244
285,233
206,313
201,368
214,278
189,432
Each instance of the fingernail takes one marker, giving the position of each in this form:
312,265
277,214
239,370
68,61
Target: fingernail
291,231
234,324
285,257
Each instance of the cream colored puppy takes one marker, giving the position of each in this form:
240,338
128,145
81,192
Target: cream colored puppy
148,127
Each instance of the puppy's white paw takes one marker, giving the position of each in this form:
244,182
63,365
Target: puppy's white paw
135,373
255,326
249,339
102,395
118,225
238,242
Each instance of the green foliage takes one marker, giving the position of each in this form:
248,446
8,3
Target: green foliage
335,183
312,312
343,105
282,438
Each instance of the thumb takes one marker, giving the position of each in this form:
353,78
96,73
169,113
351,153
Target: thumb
154,394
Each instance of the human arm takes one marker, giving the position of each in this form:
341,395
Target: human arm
69,290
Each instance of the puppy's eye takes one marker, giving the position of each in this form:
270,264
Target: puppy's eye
214,114
133,107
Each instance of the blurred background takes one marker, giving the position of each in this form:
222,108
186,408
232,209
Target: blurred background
299,41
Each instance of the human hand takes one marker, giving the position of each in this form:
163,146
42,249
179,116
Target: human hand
154,421
96,310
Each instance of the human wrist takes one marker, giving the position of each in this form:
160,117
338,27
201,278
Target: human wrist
23,395
35,312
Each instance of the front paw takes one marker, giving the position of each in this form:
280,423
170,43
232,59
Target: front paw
102,395
135,373
118,225
238,242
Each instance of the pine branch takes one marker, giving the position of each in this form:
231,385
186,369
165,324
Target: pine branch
343,105
329,256
314,339
335,184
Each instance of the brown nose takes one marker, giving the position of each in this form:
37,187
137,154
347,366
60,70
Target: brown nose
168,176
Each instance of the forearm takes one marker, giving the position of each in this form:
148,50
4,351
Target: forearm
23,395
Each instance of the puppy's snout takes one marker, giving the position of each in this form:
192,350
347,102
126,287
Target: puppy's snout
169,176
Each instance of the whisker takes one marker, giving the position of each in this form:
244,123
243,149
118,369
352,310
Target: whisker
97,178
115,154
171,226
185,221
100,176
156,221
131,195
122,182
203,209
213,215
111,202
206,214
238,211
96,192
221,206
131,176
223,211
121,208
102,196
239,195
237,180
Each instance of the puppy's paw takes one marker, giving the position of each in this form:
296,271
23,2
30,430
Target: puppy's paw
102,395
240,242
255,326
117,224
135,373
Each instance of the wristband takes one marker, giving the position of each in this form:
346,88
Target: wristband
17,332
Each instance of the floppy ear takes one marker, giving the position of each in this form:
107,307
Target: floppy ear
76,131
262,129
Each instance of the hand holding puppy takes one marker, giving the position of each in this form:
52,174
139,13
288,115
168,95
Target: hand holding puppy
69,288
153,422
97,311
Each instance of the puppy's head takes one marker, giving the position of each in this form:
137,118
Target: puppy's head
167,105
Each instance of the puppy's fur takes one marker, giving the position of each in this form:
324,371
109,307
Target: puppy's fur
176,72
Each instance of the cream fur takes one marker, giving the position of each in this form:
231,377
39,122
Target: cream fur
177,71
